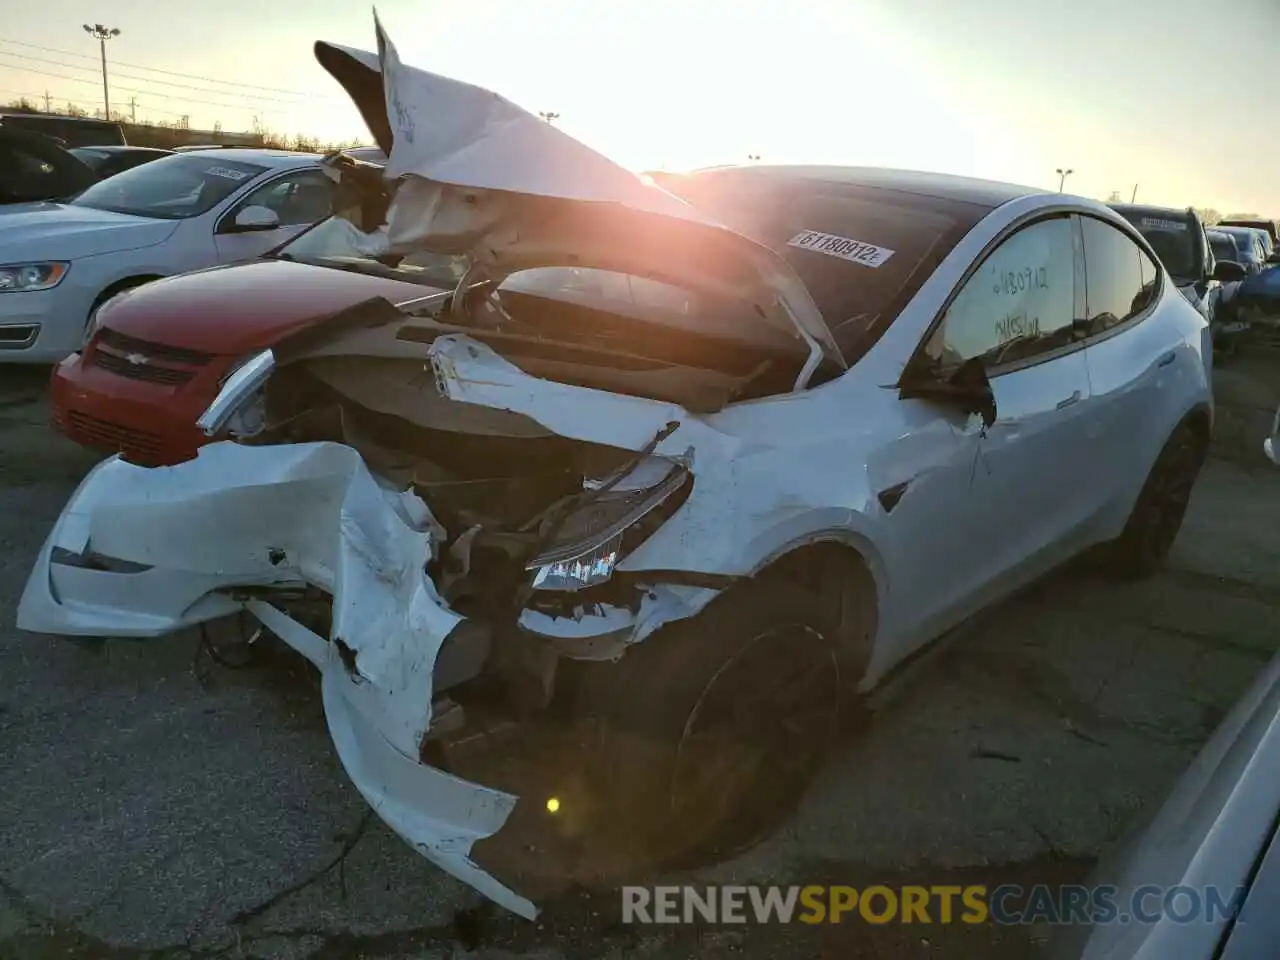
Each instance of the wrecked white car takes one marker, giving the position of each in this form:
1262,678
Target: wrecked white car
592,551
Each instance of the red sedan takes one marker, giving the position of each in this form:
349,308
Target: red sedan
159,352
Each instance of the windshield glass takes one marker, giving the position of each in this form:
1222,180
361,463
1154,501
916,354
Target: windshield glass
171,188
862,252
1173,240
333,243
1224,248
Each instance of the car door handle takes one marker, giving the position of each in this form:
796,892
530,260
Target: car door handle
1074,398
1167,359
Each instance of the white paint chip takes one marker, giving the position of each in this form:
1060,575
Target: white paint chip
855,251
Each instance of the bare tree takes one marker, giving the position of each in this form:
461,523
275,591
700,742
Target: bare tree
1208,216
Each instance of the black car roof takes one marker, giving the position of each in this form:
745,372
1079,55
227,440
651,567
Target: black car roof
943,186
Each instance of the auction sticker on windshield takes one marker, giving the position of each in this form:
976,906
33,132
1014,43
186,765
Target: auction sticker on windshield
226,172
1153,223
855,251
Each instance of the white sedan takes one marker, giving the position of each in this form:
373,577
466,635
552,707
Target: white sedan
59,262
675,513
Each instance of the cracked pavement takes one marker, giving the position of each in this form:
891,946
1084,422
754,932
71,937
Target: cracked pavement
158,804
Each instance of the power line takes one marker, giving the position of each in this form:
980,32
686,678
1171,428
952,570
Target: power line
171,73
34,95
168,83
151,93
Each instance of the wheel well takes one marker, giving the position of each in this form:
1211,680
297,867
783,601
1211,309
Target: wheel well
126,283
831,569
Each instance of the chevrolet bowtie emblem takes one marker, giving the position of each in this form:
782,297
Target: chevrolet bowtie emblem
136,359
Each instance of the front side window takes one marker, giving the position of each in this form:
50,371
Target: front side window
1020,302
171,188
297,199
1118,285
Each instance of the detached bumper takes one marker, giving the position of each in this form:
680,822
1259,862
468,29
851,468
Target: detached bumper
141,552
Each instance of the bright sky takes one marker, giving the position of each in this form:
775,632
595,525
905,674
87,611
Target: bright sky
1172,95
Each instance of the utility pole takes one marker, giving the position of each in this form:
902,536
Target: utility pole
133,109
549,115
48,102
1062,176
1134,198
102,35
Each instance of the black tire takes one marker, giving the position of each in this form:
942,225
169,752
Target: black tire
1157,515
715,726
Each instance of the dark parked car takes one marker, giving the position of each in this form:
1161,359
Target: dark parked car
71,131
1271,228
1256,251
34,167
1180,241
1223,246
107,161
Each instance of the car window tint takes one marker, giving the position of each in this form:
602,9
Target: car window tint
1223,247
1116,288
298,199
1019,303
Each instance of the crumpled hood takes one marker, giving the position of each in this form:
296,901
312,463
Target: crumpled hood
237,308
482,177
60,231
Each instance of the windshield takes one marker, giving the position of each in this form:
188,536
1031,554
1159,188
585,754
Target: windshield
1224,248
333,243
862,252
1173,240
171,188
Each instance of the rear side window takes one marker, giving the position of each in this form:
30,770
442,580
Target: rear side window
1121,281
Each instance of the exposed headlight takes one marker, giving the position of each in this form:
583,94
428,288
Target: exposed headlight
238,389
594,538
28,277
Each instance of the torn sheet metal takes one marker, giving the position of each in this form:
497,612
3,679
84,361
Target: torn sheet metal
482,177
240,516
471,372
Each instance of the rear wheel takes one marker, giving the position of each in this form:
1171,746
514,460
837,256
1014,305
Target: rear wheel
716,725
1157,516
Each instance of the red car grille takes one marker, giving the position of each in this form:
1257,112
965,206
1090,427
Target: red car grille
146,360
139,444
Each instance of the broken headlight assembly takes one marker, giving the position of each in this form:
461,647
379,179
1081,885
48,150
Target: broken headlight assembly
239,389
607,521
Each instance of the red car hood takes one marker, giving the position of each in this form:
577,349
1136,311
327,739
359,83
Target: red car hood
236,309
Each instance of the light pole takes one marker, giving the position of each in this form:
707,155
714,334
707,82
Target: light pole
549,115
102,35
1062,176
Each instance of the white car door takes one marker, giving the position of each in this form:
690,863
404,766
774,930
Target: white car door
1132,357
297,199
1012,498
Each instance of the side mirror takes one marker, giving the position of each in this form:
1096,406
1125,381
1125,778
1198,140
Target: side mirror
968,389
1228,271
256,218
1274,257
